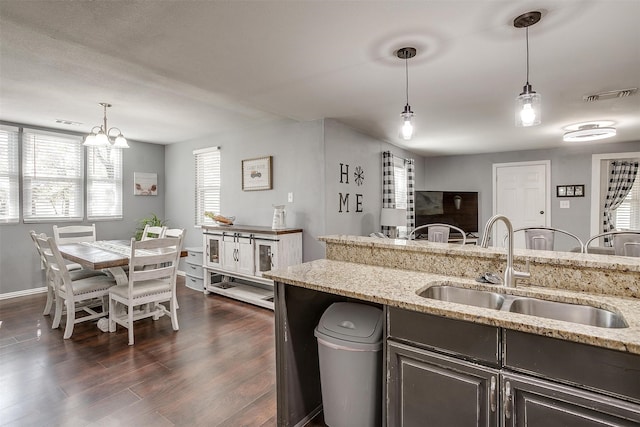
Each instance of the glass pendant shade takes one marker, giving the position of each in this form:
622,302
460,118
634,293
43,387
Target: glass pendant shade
528,111
407,125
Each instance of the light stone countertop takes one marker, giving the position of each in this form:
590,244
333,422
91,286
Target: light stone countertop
400,287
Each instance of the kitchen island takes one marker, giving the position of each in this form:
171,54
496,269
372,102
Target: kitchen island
392,273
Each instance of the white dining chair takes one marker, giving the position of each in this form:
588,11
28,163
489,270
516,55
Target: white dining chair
74,234
153,285
75,274
153,232
76,295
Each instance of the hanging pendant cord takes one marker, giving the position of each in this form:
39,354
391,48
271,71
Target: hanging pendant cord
527,32
406,70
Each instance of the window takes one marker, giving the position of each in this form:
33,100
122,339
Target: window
628,213
9,175
52,177
207,183
104,183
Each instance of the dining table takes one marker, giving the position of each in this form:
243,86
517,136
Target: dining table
110,255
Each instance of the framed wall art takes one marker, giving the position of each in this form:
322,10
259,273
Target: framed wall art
256,174
145,184
570,190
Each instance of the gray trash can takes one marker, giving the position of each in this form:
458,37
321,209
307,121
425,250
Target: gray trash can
350,354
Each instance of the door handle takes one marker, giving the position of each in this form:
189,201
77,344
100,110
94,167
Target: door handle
492,395
508,404
541,212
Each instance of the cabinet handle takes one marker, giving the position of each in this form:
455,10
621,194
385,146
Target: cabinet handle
492,396
508,404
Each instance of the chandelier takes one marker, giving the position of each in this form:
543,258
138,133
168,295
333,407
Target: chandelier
103,136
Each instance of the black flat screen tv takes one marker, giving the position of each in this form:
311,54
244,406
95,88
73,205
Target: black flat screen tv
459,208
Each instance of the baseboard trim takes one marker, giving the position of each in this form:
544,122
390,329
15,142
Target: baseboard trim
35,291
24,293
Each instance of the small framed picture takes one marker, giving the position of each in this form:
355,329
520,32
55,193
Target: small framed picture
578,190
256,174
561,191
570,190
145,184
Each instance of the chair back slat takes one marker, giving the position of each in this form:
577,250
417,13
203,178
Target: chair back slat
153,232
159,257
74,234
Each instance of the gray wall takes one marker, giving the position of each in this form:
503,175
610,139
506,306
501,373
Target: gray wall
569,165
298,159
19,262
348,147
306,162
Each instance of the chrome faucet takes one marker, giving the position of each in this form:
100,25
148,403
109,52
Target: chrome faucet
510,275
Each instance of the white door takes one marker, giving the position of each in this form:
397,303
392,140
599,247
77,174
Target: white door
520,193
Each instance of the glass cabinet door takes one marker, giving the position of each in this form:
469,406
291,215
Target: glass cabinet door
265,257
213,245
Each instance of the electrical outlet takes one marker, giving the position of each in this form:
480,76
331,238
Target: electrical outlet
290,198
565,204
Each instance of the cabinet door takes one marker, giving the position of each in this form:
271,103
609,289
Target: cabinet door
266,259
532,402
213,250
244,256
426,388
229,253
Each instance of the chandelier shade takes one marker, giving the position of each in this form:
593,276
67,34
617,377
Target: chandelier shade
103,136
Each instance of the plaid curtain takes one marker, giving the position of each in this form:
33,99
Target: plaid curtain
623,174
411,214
388,187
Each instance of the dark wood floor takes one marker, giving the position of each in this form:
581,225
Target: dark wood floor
217,370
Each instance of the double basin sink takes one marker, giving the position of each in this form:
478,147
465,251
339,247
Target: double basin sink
575,313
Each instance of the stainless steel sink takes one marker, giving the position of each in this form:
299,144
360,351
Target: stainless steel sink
576,313
465,296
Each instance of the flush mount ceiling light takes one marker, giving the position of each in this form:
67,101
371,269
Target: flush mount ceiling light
406,53
589,132
101,137
528,102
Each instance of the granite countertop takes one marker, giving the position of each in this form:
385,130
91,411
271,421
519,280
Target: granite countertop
399,288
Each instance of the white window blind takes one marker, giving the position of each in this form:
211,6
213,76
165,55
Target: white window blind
52,177
628,213
104,183
9,175
207,184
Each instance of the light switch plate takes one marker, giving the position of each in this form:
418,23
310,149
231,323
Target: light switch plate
290,198
565,204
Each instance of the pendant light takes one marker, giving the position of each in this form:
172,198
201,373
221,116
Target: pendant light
528,102
102,136
407,115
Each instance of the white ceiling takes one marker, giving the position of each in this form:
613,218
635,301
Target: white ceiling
179,70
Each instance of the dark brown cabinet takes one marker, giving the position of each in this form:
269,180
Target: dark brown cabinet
426,388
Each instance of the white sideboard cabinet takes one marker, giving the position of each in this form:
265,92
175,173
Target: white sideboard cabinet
245,253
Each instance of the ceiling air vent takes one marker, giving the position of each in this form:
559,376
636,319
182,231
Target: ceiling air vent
621,93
